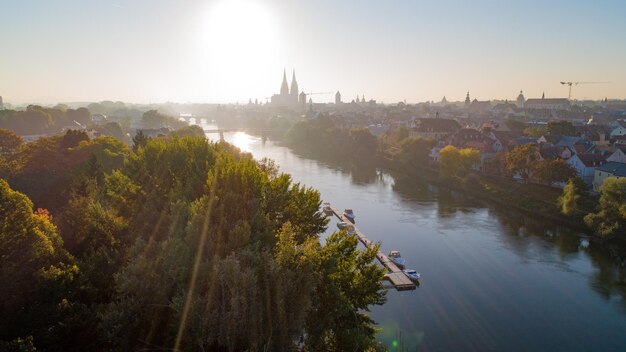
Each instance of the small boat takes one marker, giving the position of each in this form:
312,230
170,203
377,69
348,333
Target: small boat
327,209
413,275
397,259
350,229
342,225
349,214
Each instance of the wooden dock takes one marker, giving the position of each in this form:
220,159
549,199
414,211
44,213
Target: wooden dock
397,277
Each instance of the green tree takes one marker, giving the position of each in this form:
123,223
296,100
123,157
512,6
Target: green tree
414,154
112,129
189,131
455,162
551,171
449,161
611,217
535,131
515,125
140,140
10,143
561,128
521,159
349,282
34,268
570,199
72,138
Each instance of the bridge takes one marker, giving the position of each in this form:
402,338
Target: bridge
221,131
398,279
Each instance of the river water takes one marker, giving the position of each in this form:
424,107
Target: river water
491,279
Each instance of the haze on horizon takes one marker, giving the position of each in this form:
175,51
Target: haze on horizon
233,50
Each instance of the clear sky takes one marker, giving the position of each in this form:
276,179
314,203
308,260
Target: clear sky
233,50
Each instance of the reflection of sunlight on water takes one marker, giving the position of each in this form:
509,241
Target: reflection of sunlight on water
242,141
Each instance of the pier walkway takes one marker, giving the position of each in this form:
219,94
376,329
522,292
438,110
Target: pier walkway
397,277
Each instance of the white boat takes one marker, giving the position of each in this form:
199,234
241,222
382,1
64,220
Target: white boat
397,259
349,214
327,209
413,275
342,225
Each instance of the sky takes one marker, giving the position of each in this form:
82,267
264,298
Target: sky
227,51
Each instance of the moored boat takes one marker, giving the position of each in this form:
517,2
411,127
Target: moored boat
349,214
342,225
412,275
397,259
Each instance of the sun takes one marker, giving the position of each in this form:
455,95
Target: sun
240,44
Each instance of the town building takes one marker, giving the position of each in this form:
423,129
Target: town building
610,169
586,165
436,128
521,101
547,104
289,98
619,155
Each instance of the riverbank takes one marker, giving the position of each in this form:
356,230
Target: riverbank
482,263
529,199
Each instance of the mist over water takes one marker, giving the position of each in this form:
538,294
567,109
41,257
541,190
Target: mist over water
492,280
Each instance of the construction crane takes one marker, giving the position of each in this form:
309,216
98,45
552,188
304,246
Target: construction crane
570,84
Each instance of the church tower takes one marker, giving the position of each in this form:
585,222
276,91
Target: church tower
294,88
337,98
284,88
520,100
302,101
467,99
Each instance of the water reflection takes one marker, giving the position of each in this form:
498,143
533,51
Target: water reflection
494,279
243,141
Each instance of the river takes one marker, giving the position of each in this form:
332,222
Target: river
491,279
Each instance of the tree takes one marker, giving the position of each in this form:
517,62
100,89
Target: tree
364,145
349,282
140,140
551,171
189,131
455,162
80,115
414,154
561,128
33,267
574,190
10,142
449,161
72,138
469,158
521,159
515,125
535,131
611,217
112,129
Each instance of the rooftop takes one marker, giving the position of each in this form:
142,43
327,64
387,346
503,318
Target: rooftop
614,168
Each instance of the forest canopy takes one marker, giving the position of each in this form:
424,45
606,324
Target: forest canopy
181,244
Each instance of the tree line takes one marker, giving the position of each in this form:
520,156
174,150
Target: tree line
325,138
177,243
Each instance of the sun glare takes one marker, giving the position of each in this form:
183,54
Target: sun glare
243,141
240,44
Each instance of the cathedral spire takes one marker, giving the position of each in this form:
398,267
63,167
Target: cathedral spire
294,86
284,88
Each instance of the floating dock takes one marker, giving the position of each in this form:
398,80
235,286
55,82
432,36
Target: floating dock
397,277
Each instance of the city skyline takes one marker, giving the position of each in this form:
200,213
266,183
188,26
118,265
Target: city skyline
233,51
